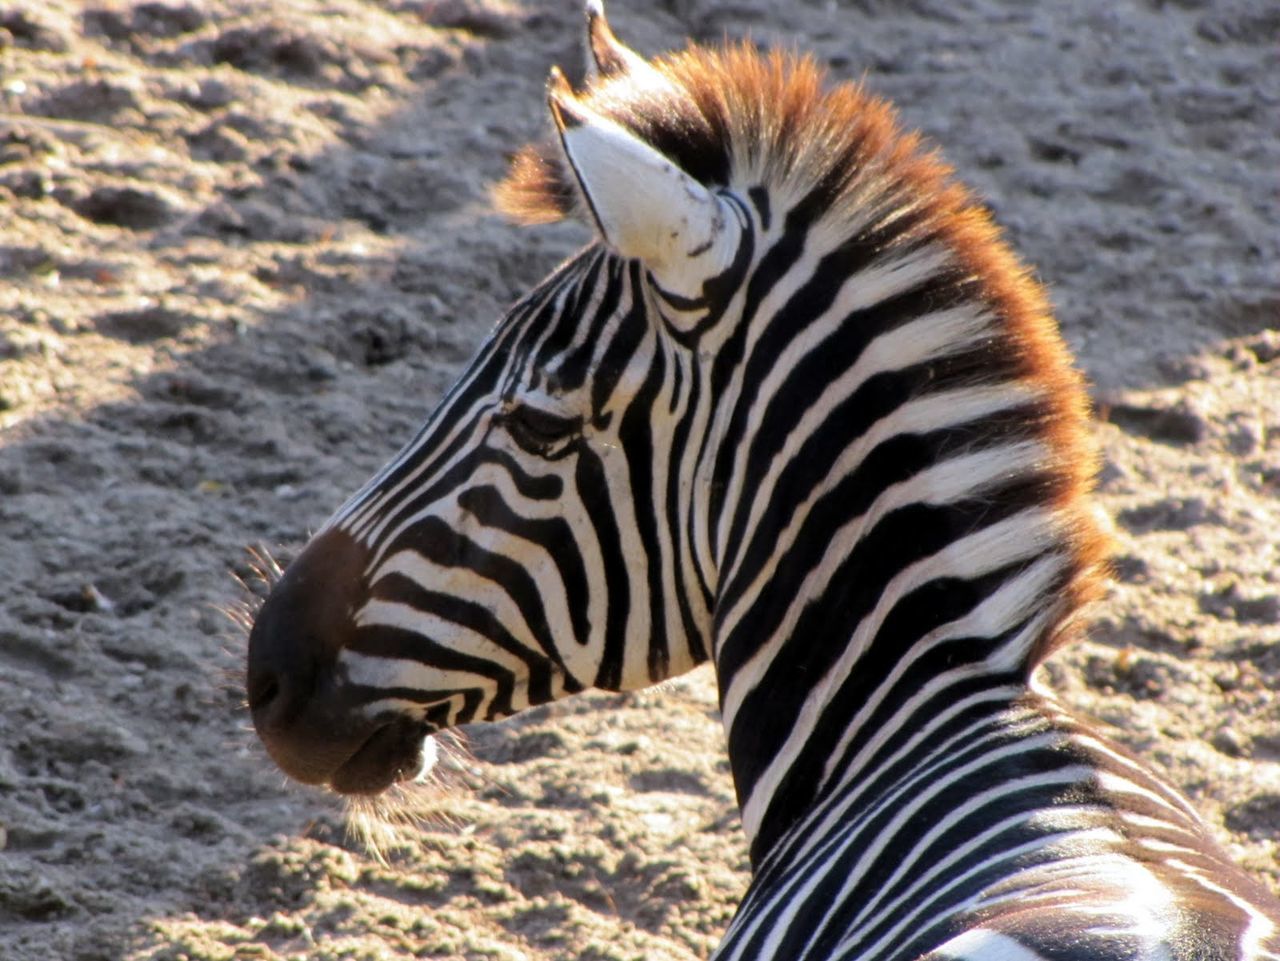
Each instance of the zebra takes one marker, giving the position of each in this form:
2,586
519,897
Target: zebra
799,411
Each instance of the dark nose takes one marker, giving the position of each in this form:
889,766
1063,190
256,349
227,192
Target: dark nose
301,710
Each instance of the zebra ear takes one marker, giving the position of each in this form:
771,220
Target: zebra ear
606,57
644,205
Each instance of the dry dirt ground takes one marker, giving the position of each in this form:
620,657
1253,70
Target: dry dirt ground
245,244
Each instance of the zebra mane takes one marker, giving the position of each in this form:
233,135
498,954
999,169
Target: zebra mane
737,118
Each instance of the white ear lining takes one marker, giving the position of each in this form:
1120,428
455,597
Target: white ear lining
644,205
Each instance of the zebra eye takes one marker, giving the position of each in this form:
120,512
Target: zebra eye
540,432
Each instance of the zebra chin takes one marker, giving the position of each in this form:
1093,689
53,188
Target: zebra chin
313,723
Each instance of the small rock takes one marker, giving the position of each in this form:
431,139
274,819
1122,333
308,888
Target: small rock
1130,569
1244,440
1230,604
1053,151
106,22
1178,369
1266,345
191,387
1110,474
1266,747
141,326
213,94
473,16
20,261
428,63
1238,27
126,207
91,739
1168,514
320,369
1256,817
16,344
220,143
272,48
163,20
31,897
1229,743
1258,610
30,33
1176,423
28,184
1146,677
376,335
669,780
96,100
98,601
221,218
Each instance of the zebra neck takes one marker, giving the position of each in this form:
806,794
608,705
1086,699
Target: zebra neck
896,503
869,742
869,674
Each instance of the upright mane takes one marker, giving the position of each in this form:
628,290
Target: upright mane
771,125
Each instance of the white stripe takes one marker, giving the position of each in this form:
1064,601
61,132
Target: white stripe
930,337
984,945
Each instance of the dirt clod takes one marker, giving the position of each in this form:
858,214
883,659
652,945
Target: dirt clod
126,207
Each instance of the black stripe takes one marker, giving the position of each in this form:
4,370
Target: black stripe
569,317
627,338
534,487
440,544
892,461
635,432
682,534
825,364
575,367
553,535
397,588
593,488
774,265
798,790
759,197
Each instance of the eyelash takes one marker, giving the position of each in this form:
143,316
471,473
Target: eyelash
539,432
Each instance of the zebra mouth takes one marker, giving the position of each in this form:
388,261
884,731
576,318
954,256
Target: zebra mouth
400,750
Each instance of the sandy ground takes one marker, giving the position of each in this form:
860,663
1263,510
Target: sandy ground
244,245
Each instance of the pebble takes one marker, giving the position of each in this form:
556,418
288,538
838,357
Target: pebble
126,207
1229,743
1176,423
144,325
1256,817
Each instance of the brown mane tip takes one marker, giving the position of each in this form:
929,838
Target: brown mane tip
535,190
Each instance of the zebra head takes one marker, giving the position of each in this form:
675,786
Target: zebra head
794,387
544,532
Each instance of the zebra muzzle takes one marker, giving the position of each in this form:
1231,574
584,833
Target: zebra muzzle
393,753
311,720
